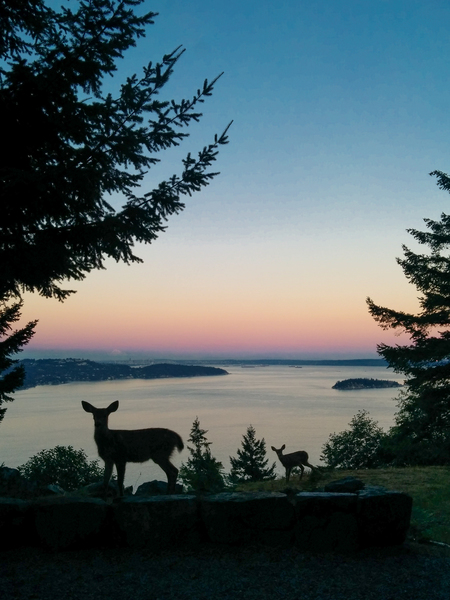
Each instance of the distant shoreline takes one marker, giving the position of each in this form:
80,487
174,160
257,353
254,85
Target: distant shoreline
143,359
351,362
69,370
54,371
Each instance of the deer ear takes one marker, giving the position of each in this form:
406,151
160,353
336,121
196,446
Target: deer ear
113,407
273,448
283,446
87,407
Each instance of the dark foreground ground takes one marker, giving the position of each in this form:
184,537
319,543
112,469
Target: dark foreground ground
412,572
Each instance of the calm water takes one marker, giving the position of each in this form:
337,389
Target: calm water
285,405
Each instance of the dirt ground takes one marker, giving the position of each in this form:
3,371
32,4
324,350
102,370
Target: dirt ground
413,572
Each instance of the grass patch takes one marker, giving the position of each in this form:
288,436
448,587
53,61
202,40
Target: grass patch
428,486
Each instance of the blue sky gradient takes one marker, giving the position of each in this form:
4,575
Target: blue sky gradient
340,112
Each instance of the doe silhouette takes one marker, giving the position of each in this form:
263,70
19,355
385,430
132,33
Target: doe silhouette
119,446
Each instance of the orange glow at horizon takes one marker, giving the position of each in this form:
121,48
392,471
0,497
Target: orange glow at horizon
213,330
246,303
326,174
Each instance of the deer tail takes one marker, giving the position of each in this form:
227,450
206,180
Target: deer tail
179,443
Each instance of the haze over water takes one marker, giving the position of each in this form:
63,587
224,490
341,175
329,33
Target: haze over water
292,406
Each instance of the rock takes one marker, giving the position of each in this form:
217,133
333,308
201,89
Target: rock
51,490
326,522
234,518
383,517
156,488
16,523
314,521
71,523
97,490
157,522
347,485
9,478
14,485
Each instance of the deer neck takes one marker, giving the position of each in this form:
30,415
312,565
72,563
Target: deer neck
102,434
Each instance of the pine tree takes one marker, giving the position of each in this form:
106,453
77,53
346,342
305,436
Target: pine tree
422,431
71,149
11,342
360,447
202,472
69,145
251,463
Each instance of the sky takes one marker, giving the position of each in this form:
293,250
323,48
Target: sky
340,112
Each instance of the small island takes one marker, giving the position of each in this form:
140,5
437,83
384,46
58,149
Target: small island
67,370
365,384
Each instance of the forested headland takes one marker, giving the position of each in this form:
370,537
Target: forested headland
58,371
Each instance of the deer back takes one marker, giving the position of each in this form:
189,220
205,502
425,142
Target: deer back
294,458
137,445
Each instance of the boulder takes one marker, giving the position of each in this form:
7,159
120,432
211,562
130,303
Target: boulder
383,516
16,524
314,521
70,523
235,518
157,522
346,485
326,522
156,488
51,490
97,490
14,485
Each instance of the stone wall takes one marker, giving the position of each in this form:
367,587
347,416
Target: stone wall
317,521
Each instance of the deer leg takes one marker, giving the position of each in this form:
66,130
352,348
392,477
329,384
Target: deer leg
108,472
288,473
120,467
310,466
170,470
172,479
302,468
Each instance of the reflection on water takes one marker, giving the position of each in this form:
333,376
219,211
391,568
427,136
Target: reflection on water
296,407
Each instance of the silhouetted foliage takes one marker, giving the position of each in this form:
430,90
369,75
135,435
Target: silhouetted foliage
251,462
422,428
361,447
63,466
71,150
11,342
70,147
202,472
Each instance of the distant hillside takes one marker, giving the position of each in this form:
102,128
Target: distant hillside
287,362
365,384
58,371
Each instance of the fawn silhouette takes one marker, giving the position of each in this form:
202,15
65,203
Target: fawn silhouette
294,459
119,446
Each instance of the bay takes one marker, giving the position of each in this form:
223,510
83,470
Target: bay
285,405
